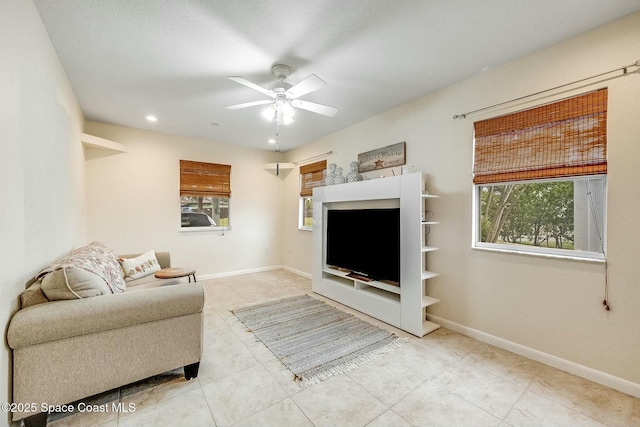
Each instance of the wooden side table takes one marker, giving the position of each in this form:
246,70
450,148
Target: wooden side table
176,272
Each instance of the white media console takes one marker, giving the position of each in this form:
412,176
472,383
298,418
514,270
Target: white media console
402,306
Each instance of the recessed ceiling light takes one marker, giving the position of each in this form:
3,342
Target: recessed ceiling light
272,141
151,118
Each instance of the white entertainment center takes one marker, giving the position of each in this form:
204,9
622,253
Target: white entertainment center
402,306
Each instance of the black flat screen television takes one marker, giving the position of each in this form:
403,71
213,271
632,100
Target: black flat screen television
365,241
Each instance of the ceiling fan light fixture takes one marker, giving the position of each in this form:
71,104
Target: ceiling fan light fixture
270,112
281,111
287,120
284,96
287,113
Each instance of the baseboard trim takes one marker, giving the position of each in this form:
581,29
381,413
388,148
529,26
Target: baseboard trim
594,375
238,272
253,270
298,272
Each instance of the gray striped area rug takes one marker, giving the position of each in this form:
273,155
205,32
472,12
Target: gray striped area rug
315,340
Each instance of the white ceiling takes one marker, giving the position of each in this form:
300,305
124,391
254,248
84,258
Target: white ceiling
171,58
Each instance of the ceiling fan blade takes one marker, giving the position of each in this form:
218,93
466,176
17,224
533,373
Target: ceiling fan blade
252,85
308,85
325,110
249,104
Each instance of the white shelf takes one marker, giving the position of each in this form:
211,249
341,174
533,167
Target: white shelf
91,141
281,166
426,275
402,306
373,283
375,302
427,301
279,169
380,293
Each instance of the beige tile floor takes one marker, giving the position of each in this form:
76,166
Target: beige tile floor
443,379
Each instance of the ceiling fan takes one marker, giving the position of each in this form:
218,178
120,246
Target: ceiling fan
284,96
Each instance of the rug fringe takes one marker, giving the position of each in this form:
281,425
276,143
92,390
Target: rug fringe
352,364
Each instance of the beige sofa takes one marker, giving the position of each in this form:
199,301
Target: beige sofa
66,350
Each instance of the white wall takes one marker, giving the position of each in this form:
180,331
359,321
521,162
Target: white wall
546,305
552,306
133,201
41,183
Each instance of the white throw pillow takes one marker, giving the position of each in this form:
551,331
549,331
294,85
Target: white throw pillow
140,266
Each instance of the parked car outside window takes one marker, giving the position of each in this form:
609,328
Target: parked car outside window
195,219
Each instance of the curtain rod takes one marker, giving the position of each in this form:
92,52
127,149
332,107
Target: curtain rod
623,69
328,153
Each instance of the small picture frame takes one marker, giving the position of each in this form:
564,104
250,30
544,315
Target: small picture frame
381,158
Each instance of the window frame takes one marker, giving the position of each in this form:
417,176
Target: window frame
563,140
205,180
301,210
306,189
540,251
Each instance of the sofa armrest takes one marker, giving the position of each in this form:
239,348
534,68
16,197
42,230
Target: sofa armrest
164,259
57,320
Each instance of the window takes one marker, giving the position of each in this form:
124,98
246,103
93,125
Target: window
205,192
311,176
540,179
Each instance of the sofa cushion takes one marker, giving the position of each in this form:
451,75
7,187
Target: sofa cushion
94,258
140,266
150,281
72,283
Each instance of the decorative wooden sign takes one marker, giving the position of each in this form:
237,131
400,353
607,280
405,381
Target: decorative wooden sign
381,158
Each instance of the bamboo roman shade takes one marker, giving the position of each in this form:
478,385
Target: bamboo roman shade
311,176
563,139
204,179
